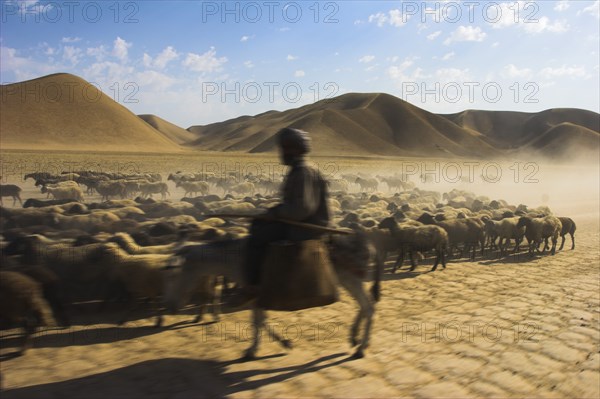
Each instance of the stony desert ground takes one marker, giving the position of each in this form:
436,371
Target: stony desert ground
511,327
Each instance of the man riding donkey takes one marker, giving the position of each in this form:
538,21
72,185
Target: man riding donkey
305,197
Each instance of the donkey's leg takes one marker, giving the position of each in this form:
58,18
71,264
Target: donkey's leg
258,321
354,286
286,343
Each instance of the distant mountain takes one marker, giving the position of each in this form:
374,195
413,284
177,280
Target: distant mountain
527,131
380,124
64,112
79,117
171,131
351,124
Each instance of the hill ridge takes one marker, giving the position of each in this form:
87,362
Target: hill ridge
351,124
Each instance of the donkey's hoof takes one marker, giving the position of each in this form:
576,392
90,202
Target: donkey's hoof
286,343
353,342
359,354
249,355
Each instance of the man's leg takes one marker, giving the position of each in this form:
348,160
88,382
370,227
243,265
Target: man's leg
262,233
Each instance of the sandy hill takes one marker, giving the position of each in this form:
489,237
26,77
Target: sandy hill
505,129
171,131
64,112
351,124
566,140
381,124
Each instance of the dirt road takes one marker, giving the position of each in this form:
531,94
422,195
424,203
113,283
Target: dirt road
514,327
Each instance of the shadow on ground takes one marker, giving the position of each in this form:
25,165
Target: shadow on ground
175,376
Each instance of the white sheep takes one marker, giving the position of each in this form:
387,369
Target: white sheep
68,192
245,188
127,243
194,187
92,221
508,229
147,189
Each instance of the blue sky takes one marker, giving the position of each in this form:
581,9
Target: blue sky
194,62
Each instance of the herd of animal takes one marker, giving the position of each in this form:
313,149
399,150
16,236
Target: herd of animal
66,249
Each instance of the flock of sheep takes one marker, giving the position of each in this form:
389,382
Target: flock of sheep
64,250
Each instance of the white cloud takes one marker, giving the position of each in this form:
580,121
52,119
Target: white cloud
98,52
71,54
147,61
248,64
371,67
393,17
593,10
154,80
563,71
299,73
244,38
448,56
162,59
400,73
70,39
167,55
522,15
434,35
466,34
108,73
561,5
396,18
512,71
366,59
379,18
120,49
445,75
291,57
10,59
544,24
32,7
207,62
503,15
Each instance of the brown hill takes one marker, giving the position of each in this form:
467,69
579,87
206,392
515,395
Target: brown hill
171,131
505,129
566,140
64,112
351,124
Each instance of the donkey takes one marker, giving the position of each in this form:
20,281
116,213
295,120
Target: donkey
349,256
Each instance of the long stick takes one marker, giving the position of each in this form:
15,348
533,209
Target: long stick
292,222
